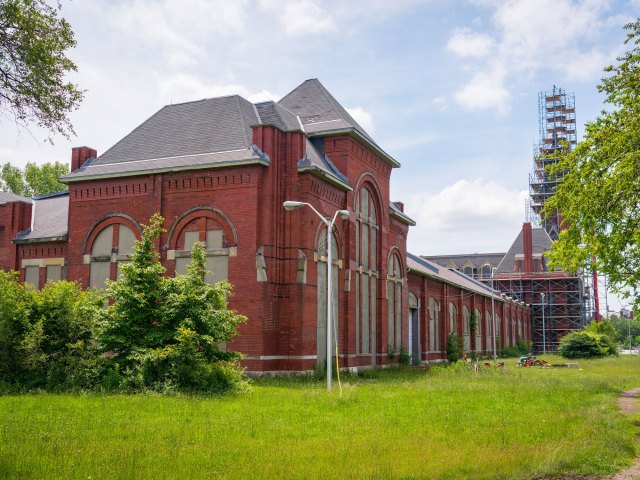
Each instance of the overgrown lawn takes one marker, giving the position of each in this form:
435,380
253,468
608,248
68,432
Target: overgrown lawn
442,423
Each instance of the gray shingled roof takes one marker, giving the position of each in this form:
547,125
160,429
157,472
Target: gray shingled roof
50,219
477,259
321,165
8,197
541,243
316,107
400,215
273,114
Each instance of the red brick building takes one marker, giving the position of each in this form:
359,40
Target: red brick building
218,170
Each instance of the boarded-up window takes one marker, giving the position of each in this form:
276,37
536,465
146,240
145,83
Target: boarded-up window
453,317
217,260
321,319
490,326
367,230
466,314
113,244
32,276
54,273
478,321
394,303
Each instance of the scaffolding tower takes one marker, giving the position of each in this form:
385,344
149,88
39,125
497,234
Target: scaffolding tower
557,125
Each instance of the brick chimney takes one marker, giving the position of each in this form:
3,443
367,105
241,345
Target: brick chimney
527,244
79,155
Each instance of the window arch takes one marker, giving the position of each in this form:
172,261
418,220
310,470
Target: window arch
321,320
486,271
110,248
394,302
367,271
211,228
498,332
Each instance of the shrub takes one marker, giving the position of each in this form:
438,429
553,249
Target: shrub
59,346
585,344
454,347
604,327
170,334
15,303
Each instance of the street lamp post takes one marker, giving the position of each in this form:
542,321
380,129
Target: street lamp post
291,205
544,332
493,316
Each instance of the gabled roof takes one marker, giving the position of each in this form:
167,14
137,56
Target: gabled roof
477,259
8,197
541,242
271,113
321,115
50,219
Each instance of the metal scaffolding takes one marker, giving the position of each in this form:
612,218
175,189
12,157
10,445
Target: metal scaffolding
563,305
557,124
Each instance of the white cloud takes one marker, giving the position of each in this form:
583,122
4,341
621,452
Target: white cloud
182,88
484,210
364,118
301,17
528,36
466,43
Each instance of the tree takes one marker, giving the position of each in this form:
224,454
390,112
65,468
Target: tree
599,198
33,66
34,180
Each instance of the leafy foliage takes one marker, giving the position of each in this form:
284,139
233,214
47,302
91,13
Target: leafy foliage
169,333
599,198
15,301
604,327
585,344
454,347
33,65
35,180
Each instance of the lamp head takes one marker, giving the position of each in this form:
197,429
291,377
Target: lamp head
344,214
291,205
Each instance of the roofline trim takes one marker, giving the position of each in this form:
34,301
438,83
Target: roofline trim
402,217
316,171
59,238
135,173
354,132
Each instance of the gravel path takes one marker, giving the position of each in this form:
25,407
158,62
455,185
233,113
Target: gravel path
628,404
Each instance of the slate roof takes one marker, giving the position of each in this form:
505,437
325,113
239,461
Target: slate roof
427,268
400,215
8,197
50,219
541,243
477,259
217,132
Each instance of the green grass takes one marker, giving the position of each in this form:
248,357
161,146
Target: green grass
439,423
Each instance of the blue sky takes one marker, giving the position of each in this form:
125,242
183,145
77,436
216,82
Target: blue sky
449,88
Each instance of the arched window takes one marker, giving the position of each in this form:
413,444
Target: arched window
468,271
466,316
453,317
507,332
498,332
209,227
321,321
111,248
434,325
478,322
520,329
489,330
486,271
414,328
366,273
394,303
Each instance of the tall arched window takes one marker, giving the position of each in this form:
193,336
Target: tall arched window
478,322
112,245
453,317
366,273
507,331
321,321
498,332
489,330
434,325
211,235
394,303
466,316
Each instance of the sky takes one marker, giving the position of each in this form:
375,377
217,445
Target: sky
449,88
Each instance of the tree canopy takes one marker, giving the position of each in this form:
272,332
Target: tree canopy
34,180
599,198
33,66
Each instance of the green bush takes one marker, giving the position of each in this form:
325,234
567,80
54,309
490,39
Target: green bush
15,303
586,344
454,347
169,334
